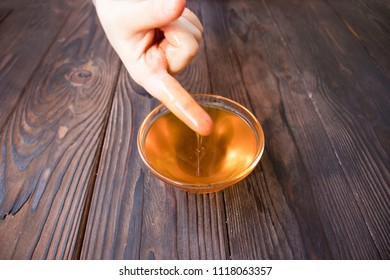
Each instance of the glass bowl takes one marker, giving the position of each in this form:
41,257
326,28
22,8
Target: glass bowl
202,164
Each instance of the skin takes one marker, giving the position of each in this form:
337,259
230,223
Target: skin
156,39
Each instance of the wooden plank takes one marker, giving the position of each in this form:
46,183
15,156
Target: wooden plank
282,101
134,215
50,146
116,216
350,94
369,22
272,213
21,52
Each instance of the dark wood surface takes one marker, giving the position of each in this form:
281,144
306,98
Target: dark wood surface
315,73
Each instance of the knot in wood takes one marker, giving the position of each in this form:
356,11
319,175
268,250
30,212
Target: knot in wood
80,76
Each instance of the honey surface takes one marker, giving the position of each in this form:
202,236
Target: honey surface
178,153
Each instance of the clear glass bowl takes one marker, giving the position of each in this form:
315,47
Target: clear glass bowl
202,164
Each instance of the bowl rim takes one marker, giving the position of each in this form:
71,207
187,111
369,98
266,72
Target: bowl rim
249,118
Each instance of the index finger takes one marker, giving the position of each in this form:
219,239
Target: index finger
169,91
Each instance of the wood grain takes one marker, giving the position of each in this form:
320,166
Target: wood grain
4,12
284,209
316,75
251,76
338,77
368,22
20,26
119,189
51,142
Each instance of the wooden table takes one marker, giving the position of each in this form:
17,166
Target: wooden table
315,73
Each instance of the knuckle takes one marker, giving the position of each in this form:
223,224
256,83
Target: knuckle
190,48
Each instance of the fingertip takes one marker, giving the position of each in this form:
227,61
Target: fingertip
169,91
193,114
205,125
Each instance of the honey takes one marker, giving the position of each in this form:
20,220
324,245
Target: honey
176,152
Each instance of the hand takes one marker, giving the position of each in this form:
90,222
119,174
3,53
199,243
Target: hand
155,40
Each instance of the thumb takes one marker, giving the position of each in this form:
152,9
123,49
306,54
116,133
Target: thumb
169,91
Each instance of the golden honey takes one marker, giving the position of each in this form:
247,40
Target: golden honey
177,153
